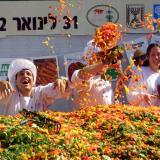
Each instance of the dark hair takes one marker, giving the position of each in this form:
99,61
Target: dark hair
74,66
149,48
140,59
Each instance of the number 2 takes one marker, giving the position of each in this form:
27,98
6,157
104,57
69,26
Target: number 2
2,26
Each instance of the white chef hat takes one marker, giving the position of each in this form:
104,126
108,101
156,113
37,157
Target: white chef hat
19,64
90,48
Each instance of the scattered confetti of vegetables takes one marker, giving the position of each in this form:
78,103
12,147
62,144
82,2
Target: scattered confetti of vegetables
95,133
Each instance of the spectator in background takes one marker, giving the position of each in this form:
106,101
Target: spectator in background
20,91
139,57
144,91
129,72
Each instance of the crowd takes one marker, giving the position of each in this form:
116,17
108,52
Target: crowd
90,88
87,82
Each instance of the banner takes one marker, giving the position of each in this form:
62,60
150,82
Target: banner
4,65
73,17
156,14
155,39
138,44
47,70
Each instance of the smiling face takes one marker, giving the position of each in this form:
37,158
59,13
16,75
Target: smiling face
24,82
154,58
